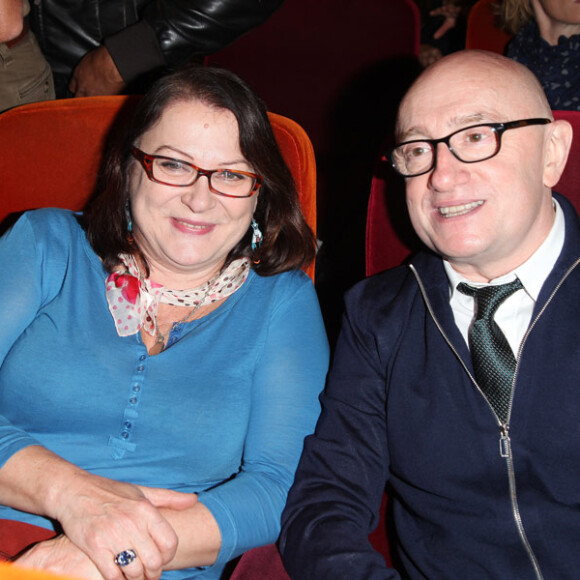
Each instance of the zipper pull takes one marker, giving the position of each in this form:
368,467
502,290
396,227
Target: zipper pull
504,442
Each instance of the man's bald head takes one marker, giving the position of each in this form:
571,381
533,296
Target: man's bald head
514,85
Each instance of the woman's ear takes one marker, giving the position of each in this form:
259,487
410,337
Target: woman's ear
558,147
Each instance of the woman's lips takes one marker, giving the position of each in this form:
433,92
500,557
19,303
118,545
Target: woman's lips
196,228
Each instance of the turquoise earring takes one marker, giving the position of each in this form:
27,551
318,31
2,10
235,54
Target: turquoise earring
257,236
129,223
128,217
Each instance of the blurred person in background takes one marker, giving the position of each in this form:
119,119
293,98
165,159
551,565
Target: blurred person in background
443,27
547,41
97,47
25,76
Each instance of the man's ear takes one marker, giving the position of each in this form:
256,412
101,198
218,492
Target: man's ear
558,147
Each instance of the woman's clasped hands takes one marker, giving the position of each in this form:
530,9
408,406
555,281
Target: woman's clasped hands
103,519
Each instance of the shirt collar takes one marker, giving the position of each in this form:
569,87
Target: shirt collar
534,271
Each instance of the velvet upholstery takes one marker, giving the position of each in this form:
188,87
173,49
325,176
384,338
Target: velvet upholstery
262,563
482,29
50,153
15,536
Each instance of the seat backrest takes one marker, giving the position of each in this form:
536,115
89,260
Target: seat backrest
390,238
483,31
389,235
569,184
50,153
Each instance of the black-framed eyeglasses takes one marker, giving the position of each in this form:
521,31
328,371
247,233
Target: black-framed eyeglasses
469,145
179,173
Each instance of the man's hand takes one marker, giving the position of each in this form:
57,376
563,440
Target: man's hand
451,12
96,74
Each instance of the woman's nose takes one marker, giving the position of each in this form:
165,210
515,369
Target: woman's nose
198,196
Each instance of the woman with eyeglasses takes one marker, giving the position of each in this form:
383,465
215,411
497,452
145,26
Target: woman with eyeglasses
547,41
161,354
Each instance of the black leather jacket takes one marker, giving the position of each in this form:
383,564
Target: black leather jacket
142,35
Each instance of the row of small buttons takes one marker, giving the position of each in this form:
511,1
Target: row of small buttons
121,444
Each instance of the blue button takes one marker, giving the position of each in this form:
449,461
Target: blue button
133,400
127,424
142,357
140,367
136,388
124,435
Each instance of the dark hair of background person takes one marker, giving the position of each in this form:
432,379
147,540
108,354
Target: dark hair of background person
288,240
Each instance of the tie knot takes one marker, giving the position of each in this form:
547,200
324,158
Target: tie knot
488,298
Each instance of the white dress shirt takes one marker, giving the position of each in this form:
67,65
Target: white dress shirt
514,315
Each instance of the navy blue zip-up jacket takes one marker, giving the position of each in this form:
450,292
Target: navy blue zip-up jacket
471,498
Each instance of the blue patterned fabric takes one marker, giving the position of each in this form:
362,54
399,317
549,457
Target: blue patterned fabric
557,67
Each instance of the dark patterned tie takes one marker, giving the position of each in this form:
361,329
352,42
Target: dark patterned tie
493,360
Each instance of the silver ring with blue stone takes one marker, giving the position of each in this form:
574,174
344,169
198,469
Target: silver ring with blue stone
125,558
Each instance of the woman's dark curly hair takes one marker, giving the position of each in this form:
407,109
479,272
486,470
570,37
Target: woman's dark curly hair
288,241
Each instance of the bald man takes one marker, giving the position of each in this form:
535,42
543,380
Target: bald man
478,438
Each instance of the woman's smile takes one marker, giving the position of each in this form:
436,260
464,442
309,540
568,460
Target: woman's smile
189,227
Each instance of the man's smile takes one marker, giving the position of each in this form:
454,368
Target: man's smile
457,210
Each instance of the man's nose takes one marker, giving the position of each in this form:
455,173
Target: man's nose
448,170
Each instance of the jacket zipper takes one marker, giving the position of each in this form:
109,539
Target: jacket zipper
504,440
